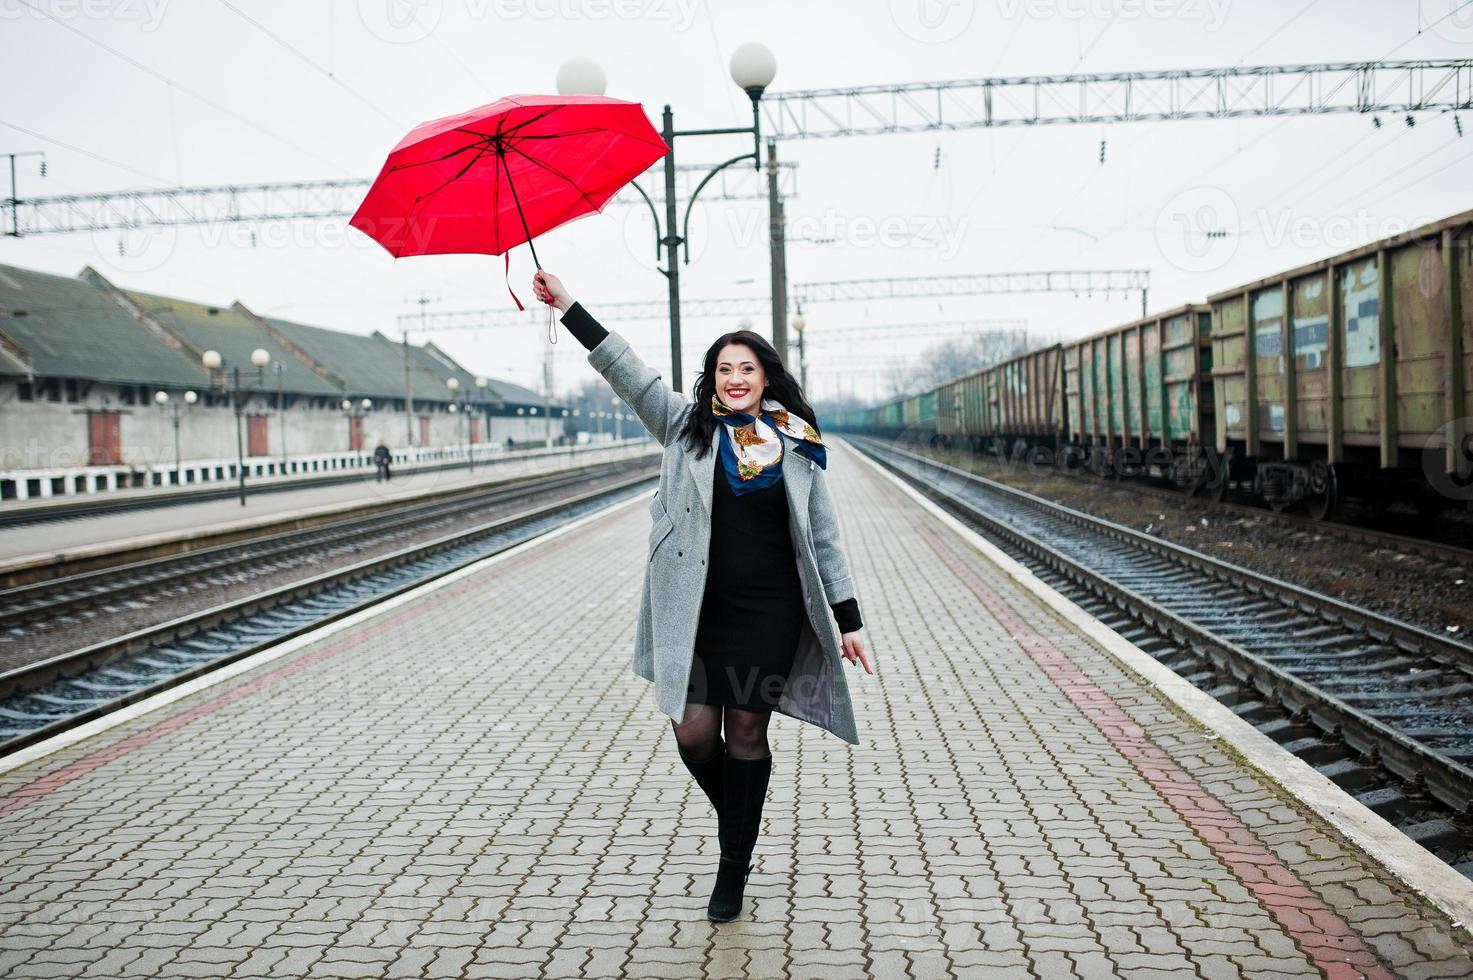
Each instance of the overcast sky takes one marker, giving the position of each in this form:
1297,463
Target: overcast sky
207,92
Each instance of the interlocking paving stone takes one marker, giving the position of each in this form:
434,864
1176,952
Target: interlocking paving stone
475,785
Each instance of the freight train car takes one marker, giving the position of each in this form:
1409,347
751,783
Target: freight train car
1023,401
1346,377
1140,396
1350,376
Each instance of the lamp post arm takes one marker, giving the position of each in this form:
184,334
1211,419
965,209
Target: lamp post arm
685,225
653,214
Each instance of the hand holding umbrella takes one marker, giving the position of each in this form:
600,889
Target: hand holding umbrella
549,289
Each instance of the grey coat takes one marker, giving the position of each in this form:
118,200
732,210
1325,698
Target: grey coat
679,544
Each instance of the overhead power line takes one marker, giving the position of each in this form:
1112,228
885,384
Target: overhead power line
290,200
909,287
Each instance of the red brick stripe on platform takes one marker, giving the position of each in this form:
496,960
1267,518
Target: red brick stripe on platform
44,786
1328,940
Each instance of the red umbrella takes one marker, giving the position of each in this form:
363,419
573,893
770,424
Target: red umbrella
487,180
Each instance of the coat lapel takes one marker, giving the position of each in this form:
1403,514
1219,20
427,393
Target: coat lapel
702,471
798,475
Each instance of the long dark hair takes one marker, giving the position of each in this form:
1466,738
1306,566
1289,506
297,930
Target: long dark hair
782,387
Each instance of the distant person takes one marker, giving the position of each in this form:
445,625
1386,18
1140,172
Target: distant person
728,644
509,443
381,459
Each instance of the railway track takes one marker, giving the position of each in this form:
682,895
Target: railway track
1443,551
66,596
1383,708
43,699
67,509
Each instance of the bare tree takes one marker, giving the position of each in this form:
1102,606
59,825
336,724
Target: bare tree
953,358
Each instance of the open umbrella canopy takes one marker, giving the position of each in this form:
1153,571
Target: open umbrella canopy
486,180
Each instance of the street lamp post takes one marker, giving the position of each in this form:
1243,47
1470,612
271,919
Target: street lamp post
213,362
162,399
366,406
483,411
753,67
618,421
464,410
798,324
280,370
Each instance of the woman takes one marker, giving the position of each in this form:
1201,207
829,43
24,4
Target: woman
745,544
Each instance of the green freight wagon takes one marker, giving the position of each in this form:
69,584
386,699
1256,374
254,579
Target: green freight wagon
1139,396
1350,376
949,411
891,416
926,412
910,411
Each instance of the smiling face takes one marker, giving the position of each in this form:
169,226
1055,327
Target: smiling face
740,380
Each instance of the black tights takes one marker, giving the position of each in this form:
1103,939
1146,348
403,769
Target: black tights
699,736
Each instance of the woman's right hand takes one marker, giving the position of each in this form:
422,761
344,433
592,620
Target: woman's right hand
549,289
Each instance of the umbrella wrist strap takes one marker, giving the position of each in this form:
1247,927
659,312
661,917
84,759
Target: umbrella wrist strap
551,327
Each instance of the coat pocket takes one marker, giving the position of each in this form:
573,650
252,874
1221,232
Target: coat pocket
662,528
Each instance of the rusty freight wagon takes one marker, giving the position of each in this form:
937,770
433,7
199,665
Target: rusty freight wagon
1022,401
1349,377
1140,399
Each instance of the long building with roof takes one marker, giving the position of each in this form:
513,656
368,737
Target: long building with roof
82,362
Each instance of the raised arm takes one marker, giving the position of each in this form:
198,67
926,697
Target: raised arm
641,387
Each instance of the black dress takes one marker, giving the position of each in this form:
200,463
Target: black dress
752,610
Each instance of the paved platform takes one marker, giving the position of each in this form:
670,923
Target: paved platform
92,532
472,783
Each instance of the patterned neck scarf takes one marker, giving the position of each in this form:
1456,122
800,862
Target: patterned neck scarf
752,458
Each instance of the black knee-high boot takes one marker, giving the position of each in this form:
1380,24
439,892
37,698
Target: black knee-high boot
744,790
707,772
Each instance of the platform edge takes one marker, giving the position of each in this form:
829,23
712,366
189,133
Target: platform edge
165,698
1407,861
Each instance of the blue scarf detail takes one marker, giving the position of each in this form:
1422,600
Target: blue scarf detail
760,463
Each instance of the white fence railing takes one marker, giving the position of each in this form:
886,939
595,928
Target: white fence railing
45,484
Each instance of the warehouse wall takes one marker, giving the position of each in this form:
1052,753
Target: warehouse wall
54,434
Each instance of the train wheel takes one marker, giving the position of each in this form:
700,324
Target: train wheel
1323,498
1218,489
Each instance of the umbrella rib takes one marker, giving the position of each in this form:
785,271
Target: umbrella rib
584,194
450,180
439,159
526,122
555,136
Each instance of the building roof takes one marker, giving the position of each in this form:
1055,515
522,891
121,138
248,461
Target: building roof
88,328
56,326
362,363
439,365
515,394
234,333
